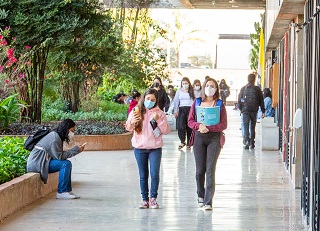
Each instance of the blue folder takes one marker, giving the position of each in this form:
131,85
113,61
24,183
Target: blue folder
208,115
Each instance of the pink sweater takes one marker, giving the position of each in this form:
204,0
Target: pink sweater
146,139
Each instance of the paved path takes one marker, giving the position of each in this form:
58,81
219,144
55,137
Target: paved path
253,192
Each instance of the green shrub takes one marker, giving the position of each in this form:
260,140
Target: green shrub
9,110
99,115
104,105
13,158
83,128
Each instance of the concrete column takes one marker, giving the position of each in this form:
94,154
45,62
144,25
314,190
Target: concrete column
297,135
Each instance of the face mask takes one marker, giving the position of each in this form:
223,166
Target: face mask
149,104
210,91
197,88
185,86
156,85
70,135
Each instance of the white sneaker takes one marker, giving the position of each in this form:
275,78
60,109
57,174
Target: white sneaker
207,207
65,195
200,202
76,196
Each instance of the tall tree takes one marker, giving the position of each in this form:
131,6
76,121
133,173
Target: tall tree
82,59
41,25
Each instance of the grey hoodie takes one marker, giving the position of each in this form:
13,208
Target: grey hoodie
50,147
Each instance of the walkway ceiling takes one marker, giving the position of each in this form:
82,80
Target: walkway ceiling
288,12
189,4
225,4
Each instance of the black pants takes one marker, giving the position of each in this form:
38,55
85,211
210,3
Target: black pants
206,149
182,125
249,120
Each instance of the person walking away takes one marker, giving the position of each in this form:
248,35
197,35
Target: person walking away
163,99
250,98
208,141
182,102
144,120
224,91
171,95
48,157
197,88
269,110
135,98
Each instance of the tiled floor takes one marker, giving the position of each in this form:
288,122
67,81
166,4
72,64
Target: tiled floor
253,192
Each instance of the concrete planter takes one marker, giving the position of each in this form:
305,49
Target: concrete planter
24,190
105,142
101,142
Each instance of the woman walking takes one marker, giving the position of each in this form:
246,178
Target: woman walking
148,122
224,91
182,102
208,141
163,99
197,88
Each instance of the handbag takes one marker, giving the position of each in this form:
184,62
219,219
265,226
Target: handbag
172,122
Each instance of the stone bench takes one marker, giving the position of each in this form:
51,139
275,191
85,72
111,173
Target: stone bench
269,134
24,190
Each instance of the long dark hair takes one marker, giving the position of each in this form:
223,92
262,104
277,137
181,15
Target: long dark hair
190,89
216,95
158,78
143,109
63,129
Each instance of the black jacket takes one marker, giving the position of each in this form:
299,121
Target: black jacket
163,100
259,101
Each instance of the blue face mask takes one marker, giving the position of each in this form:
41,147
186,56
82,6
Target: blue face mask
149,104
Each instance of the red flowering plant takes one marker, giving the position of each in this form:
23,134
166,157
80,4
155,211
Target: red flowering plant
12,79
12,69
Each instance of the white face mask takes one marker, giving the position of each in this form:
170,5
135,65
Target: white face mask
209,91
197,88
185,86
70,135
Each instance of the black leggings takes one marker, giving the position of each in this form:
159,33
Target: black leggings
182,125
206,149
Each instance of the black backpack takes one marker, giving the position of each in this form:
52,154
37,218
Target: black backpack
250,99
32,140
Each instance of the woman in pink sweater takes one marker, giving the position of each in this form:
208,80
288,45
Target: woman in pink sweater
148,122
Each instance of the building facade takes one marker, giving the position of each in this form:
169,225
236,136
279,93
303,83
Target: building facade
292,47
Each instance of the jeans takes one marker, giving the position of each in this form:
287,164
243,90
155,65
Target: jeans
143,156
64,168
206,150
249,125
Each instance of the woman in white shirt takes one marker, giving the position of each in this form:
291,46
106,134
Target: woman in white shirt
182,103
